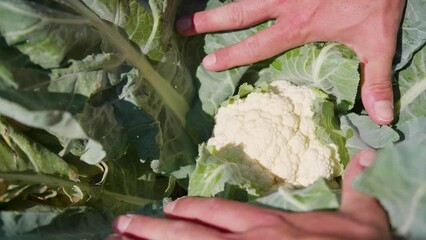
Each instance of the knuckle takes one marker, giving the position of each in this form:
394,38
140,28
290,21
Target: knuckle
252,46
299,26
178,227
269,219
368,232
379,85
213,204
236,15
274,232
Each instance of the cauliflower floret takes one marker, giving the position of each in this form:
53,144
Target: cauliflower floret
277,129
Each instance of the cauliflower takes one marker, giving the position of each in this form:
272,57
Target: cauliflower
277,129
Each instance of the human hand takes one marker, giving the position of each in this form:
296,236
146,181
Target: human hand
360,217
368,27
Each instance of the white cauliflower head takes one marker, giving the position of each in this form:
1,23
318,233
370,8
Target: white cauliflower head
277,129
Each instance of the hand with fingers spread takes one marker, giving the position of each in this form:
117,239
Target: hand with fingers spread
368,27
360,217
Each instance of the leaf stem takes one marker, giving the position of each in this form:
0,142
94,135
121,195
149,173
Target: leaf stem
172,99
52,181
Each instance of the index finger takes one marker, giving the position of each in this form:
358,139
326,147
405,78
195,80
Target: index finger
231,16
225,214
139,226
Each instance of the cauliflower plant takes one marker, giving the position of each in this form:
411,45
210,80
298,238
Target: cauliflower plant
277,129
264,137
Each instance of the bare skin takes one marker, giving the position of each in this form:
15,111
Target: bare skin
368,27
360,217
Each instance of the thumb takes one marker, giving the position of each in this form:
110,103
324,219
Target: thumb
376,89
357,204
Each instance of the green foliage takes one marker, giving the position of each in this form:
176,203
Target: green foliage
42,222
412,88
397,179
413,32
217,169
361,133
102,107
328,130
88,101
314,197
329,67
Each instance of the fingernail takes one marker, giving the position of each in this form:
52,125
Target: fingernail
209,60
184,24
367,158
122,223
384,110
169,207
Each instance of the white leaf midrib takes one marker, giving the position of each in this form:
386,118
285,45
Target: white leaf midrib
414,92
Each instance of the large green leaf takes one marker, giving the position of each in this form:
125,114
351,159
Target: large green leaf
156,130
108,103
397,180
163,90
328,130
175,97
48,35
18,223
18,153
413,32
414,130
412,88
84,77
22,155
145,22
53,99
80,101
330,67
216,87
68,116
12,69
73,223
317,196
95,195
361,133
216,169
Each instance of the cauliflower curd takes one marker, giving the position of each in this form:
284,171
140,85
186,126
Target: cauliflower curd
277,129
